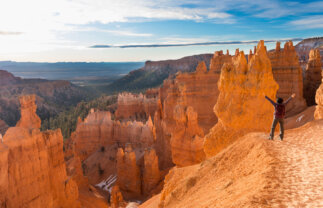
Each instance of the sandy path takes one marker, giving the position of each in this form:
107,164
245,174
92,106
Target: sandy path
297,179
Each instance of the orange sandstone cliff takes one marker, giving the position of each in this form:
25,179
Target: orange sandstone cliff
242,89
151,173
32,167
136,107
288,74
99,130
319,101
312,76
186,111
128,173
110,150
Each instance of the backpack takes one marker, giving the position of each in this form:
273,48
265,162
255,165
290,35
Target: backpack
280,110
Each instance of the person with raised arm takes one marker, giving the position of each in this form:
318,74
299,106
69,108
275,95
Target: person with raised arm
279,115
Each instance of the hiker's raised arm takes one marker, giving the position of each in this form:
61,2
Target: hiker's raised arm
289,99
270,100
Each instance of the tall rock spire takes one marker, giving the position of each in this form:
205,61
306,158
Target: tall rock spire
29,118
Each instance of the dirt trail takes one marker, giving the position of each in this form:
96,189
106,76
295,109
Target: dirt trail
298,174
253,172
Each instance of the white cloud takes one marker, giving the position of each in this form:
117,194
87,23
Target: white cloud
40,21
309,22
127,33
113,32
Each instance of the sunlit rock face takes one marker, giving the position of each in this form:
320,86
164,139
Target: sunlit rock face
319,101
288,74
32,166
187,138
136,107
312,76
151,173
186,113
99,130
99,141
128,173
29,118
242,87
116,197
218,60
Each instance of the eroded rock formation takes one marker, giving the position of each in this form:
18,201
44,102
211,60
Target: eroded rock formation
187,137
32,167
136,107
288,74
319,101
312,76
151,172
99,130
128,173
185,113
116,197
218,60
242,89
29,118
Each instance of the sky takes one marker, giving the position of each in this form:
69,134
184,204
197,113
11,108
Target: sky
139,30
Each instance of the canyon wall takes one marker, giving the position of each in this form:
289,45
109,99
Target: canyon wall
187,103
99,130
136,107
32,167
242,87
155,72
109,148
313,76
288,74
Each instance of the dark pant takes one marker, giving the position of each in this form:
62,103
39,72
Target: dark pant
273,126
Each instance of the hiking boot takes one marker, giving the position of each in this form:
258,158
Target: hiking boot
281,139
270,138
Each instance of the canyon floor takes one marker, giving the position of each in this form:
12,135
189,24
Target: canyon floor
253,172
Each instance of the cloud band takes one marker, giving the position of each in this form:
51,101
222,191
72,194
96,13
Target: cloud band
189,44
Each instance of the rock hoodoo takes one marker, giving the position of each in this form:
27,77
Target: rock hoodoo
218,60
116,197
187,138
242,89
32,167
185,113
151,173
128,173
312,76
288,74
29,118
